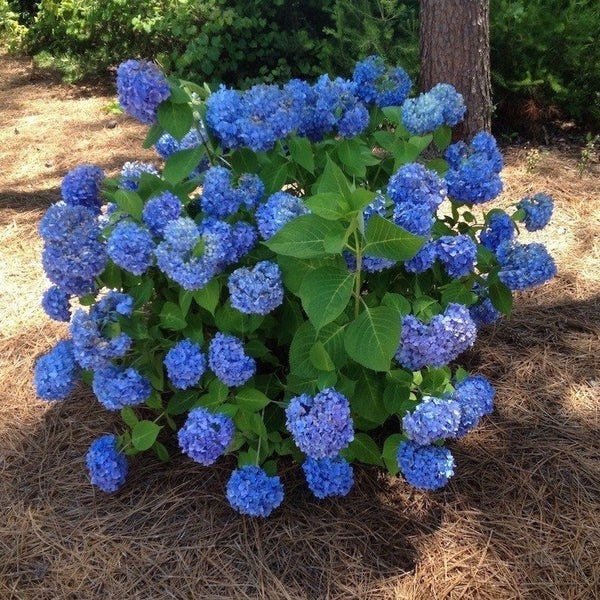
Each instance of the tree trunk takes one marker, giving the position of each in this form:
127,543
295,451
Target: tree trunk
455,48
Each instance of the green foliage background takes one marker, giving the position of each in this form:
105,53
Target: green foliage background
541,49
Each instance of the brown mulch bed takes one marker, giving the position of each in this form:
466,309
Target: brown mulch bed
521,518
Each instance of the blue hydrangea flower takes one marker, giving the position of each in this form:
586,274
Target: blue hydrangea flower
437,343
55,303
244,238
223,109
131,247
370,264
328,476
442,105
432,420
413,184
475,179
452,103
116,387
219,199
483,312
475,396
500,228
131,173
425,467
141,86
321,425
174,255
185,363
221,246
251,189
538,211
457,253
81,187
252,492
56,372
423,259
161,209
256,291
278,210
205,436
112,302
374,83
523,266
168,145
73,254
106,465
228,361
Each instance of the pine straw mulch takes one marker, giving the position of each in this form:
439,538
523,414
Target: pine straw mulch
521,518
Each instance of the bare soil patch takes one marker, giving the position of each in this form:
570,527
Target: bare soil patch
521,518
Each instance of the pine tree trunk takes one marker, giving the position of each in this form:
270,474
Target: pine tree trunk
455,48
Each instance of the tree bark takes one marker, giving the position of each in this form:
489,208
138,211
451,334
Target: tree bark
455,48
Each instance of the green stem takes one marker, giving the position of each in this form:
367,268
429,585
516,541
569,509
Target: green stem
357,275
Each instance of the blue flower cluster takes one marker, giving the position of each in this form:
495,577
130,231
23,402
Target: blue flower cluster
425,467
328,476
252,492
374,83
159,210
278,210
185,363
93,349
483,312
106,465
116,387
141,86
131,247
475,396
221,199
432,420
523,266
55,303
500,228
256,291
228,361
205,436
321,425
437,343
131,173
416,193
474,173
81,187
73,254
442,105
538,211
423,259
168,145
457,253
56,372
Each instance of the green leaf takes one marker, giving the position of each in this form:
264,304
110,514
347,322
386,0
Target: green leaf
208,296
397,301
294,270
392,114
304,236
142,292
351,154
144,434
230,320
181,402
129,417
177,119
442,137
180,164
457,291
367,400
333,180
364,449
251,399
243,161
390,452
372,339
250,422
332,338
274,174
396,398
302,153
171,317
319,357
421,141
300,364
501,297
325,293
329,205
386,240
161,451
439,165
129,202
361,198
485,258
152,136
435,380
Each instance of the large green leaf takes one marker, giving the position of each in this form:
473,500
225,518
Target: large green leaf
144,434
300,363
387,240
367,400
294,270
333,180
302,153
364,449
171,317
129,202
372,339
304,236
325,293
180,164
177,119
390,451
501,297
329,205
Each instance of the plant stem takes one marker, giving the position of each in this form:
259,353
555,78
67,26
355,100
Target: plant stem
357,275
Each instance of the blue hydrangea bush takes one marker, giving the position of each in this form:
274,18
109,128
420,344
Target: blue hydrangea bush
295,279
